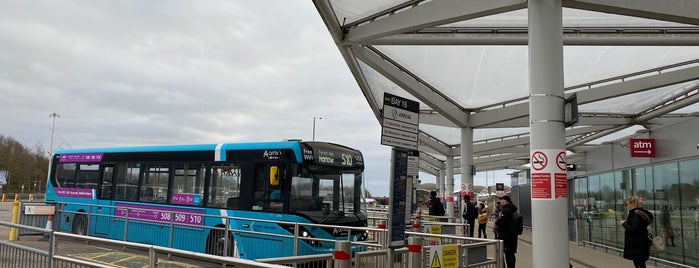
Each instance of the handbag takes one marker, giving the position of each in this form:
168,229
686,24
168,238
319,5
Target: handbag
482,219
657,244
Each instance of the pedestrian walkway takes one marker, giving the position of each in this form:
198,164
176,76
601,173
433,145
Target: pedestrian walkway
580,256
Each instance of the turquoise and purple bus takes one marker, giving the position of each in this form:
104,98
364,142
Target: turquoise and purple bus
201,197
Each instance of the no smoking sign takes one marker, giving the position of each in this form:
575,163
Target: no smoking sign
539,160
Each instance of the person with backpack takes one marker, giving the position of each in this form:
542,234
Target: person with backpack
470,214
436,207
507,230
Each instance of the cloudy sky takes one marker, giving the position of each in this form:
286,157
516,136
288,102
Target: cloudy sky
170,72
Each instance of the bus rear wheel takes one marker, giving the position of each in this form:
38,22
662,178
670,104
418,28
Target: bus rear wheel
217,244
80,224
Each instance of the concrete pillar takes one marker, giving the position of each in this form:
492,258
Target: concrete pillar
547,133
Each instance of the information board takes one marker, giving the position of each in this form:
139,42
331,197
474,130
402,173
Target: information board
399,127
403,170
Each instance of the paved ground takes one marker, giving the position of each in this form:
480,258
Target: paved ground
579,256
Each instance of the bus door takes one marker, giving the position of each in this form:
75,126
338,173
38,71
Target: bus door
104,209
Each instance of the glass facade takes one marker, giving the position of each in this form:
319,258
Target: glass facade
668,190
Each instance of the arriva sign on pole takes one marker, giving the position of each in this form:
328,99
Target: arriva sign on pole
399,127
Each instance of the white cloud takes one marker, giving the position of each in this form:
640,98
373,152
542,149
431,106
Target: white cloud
164,72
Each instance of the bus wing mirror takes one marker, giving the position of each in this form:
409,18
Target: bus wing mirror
273,175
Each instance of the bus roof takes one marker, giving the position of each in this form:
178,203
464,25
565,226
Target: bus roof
293,145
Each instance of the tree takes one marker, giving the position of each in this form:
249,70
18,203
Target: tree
24,165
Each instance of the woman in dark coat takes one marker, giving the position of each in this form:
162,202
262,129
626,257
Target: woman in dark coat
636,242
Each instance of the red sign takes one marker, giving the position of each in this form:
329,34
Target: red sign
642,147
561,185
541,185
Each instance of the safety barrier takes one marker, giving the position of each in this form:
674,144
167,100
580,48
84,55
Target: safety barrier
371,252
62,249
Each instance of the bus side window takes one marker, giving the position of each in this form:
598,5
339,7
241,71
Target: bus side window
106,188
126,181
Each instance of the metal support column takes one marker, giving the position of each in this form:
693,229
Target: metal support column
467,160
547,139
447,188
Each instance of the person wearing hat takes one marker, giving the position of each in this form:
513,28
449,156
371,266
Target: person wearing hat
504,233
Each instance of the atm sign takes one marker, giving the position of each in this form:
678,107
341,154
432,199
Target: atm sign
642,147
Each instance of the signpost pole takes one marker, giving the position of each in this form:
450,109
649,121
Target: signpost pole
400,130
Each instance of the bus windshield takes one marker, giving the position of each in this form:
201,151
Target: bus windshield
328,197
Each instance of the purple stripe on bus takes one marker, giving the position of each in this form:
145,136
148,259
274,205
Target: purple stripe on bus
160,214
75,192
91,158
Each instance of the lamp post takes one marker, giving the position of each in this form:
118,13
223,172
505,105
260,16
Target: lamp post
314,126
53,126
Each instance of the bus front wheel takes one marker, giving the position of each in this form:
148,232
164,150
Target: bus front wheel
80,224
217,244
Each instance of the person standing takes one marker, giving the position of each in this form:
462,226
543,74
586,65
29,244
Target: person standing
504,230
636,244
435,205
482,220
667,225
470,214
496,216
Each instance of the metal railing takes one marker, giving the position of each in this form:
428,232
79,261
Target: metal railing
62,248
85,251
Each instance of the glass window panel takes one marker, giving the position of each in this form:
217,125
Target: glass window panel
65,175
595,207
155,181
684,214
665,178
224,187
606,203
107,177
88,176
187,185
581,208
127,181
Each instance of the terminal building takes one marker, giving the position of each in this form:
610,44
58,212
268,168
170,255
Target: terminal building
578,86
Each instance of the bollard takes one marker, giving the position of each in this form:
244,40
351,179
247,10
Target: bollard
418,219
414,252
16,197
4,198
342,256
49,227
15,218
381,236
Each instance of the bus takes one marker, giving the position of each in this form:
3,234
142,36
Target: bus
208,194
